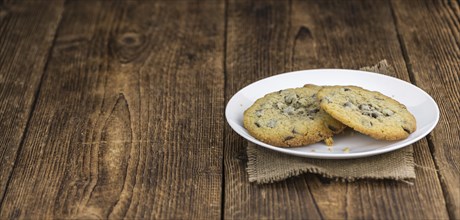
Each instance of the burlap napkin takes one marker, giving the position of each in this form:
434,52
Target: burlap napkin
266,166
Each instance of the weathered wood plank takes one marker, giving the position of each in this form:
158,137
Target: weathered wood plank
22,62
129,120
257,38
432,47
271,37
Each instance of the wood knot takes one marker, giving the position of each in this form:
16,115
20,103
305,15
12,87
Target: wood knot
303,33
130,39
129,46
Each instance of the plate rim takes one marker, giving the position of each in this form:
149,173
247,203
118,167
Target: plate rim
336,156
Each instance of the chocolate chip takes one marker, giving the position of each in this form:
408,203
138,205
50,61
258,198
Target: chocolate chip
259,112
375,114
332,128
303,102
294,131
280,105
406,130
257,124
387,112
271,123
291,98
288,138
347,104
289,110
296,105
346,89
313,111
364,107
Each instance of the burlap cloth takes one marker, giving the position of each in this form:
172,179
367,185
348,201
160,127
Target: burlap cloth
266,166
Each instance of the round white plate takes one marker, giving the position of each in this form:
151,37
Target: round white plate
349,144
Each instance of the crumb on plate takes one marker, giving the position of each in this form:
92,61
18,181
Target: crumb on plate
329,141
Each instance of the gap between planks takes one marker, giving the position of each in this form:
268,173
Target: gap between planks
34,103
413,81
224,130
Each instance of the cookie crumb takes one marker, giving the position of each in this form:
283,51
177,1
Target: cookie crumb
313,150
329,141
346,150
329,149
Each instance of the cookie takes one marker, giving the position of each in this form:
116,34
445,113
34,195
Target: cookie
290,118
368,112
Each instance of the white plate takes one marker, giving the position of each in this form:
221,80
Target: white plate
349,144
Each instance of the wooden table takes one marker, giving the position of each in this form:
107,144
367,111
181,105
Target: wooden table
115,109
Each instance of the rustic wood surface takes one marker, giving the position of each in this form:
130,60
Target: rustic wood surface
432,49
294,37
22,63
129,117
115,109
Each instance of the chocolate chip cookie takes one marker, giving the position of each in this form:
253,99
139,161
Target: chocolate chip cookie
368,112
291,118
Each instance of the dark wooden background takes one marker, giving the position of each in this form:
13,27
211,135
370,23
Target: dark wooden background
115,109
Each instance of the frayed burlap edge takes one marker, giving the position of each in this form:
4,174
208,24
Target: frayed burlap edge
407,163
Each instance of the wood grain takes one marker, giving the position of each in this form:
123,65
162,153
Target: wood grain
114,109
256,46
129,118
432,47
269,37
22,62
